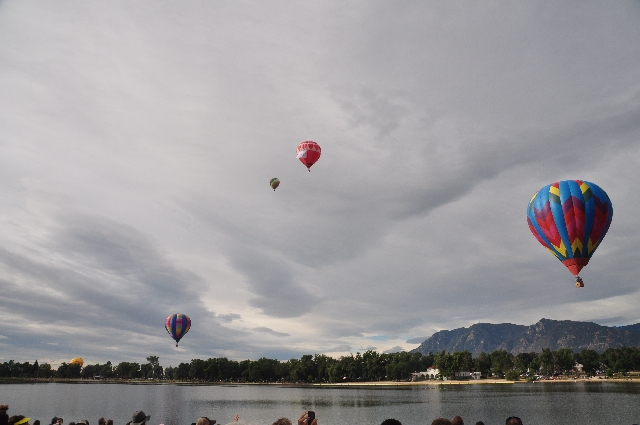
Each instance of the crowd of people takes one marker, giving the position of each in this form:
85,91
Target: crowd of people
456,420
141,418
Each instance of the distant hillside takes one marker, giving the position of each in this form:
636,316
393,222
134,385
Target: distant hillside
516,339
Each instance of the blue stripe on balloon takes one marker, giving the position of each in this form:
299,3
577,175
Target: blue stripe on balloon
538,204
558,217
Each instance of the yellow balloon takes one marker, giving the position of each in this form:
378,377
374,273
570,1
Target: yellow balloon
77,360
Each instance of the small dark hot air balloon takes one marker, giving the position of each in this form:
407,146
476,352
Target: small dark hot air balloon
308,153
570,218
178,325
274,183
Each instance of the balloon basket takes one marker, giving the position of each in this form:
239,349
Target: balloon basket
176,345
579,282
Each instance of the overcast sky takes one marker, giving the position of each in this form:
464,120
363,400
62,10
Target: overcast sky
137,141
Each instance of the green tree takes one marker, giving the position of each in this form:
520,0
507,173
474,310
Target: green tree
589,359
512,375
547,361
156,369
483,364
182,372
565,360
501,362
70,371
323,367
45,371
127,370
526,363
106,371
462,361
445,364
146,371
197,370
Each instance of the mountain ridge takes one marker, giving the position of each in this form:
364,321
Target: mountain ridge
546,333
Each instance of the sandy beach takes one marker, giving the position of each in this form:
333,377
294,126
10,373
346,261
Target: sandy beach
470,382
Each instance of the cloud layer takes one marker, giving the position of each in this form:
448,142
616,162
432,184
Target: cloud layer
137,143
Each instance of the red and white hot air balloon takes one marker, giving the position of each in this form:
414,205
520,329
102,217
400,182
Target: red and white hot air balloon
308,153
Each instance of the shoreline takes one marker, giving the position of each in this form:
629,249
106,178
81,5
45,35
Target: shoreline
434,383
428,383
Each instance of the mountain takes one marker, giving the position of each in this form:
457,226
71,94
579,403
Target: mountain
516,339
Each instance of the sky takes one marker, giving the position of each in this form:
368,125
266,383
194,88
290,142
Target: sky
137,141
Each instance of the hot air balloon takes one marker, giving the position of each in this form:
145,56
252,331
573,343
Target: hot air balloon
178,325
308,153
570,218
77,360
274,182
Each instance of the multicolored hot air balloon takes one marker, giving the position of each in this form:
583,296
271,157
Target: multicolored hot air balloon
274,183
77,360
308,153
178,325
570,218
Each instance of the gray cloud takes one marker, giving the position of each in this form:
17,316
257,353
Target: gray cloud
418,340
136,154
270,331
228,318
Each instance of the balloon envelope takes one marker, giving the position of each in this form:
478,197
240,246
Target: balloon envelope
77,360
570,218
178,325
308,153
274,183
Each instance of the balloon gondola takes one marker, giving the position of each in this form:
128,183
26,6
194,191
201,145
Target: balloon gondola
570,218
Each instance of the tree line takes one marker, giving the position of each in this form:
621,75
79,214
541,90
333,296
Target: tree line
366,367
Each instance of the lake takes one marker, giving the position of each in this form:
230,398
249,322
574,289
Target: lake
549,404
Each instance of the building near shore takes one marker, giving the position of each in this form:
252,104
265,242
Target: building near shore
430,373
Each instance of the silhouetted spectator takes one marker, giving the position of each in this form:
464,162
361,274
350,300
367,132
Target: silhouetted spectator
304,419
4,418
203,420
36,422
513,420
18,420
391,422
237,421
441,421
140,418
100,420
457,420
479,423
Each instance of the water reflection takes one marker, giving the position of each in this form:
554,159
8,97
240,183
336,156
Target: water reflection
552,403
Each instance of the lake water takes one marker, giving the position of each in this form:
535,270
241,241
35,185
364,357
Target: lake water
581,403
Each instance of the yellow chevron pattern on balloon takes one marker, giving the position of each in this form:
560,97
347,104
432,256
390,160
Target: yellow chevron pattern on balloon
591,246
561,249
554,190
554,253
584,187
577,243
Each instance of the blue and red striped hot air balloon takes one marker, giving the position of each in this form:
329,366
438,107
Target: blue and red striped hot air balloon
570,218
178,325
